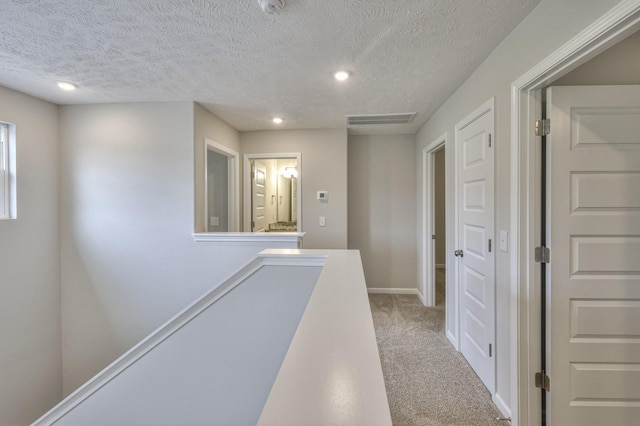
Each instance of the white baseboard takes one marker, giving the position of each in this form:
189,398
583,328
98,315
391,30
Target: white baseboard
502,406
394,291
453,340
441,266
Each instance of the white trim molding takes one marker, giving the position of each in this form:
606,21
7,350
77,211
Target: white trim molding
8,173
613,26
293,238
410,291
502,405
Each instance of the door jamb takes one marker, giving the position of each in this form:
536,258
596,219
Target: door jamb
612,27
428,219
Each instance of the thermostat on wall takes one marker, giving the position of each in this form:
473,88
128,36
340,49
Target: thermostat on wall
323,195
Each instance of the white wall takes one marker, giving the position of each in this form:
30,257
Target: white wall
545,29
207,125
128,259
30,350
323,167
382,206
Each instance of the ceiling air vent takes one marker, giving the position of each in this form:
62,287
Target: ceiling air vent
362,120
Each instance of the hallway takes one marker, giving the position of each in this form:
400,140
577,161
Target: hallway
427,381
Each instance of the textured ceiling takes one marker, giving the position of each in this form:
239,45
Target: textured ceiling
246,66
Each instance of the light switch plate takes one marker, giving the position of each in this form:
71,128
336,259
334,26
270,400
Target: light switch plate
323,221
504,241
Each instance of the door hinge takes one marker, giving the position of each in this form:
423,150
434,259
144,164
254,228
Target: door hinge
489,140
490,352
489,246
253,175
543,381
542,255
433,237
543,127
253,225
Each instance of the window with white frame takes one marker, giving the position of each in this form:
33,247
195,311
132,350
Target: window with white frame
5,172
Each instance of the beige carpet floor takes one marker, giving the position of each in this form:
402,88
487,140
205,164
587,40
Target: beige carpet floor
428,382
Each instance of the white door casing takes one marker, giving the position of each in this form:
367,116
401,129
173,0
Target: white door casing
594,274
475,236
258,206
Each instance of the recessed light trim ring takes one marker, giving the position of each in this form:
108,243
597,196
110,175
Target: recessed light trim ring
68,86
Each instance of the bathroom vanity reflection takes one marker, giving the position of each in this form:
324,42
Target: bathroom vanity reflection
274,194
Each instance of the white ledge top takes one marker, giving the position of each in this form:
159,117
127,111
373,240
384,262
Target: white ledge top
332,372
249,237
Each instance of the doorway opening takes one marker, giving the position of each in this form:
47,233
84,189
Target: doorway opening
526,107
221,199
440,225
272,201
434,224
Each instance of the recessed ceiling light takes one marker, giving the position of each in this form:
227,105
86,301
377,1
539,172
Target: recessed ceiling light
341,75
65,85
277,120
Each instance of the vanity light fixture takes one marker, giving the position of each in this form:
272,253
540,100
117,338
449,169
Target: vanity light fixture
290,172
341,75
65,85
277,120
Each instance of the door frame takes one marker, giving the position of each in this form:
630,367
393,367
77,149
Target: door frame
233,176
613,26
428,219
247,183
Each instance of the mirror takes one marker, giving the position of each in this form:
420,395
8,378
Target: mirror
221,188
274,194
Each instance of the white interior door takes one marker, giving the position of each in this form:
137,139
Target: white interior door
476,266
594,273
259,192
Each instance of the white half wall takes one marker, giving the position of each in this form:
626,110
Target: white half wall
545,29
323,168
128,258
382,208
30,350
216,368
